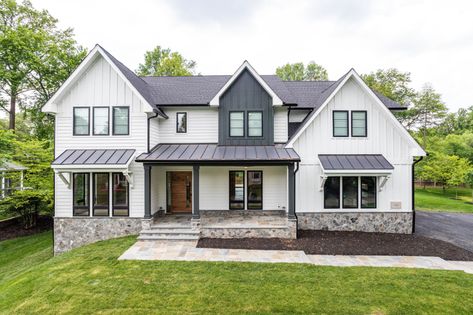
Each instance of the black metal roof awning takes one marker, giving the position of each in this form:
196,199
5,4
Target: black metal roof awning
355,163
216,154
93,158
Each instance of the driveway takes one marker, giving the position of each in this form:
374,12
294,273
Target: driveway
456,228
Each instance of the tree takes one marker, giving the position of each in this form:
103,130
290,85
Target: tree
164,62
299,72
36,58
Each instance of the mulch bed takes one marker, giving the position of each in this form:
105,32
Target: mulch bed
349,243
15,229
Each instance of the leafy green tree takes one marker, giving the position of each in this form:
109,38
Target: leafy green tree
458,122
164,62
299,72
36,58
26,204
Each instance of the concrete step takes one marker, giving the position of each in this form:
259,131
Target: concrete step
156,237
169,227
171,231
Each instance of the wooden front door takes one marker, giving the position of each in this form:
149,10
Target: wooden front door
179,192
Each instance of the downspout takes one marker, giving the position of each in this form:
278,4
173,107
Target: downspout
413,194
295,189
149,118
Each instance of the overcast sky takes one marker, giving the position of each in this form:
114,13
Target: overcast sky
431,39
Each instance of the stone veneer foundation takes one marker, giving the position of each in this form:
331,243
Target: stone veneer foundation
384,222
70,233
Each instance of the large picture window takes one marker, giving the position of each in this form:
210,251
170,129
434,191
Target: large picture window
120,195
80,194
237,124
237,190
255,190
255,124
181,122
101,199
81,121
332,193
101,116
340,123
121,120
358,124
354,192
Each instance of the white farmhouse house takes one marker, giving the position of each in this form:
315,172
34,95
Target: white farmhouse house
242,155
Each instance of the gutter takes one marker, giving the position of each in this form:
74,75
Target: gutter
149,118
413,194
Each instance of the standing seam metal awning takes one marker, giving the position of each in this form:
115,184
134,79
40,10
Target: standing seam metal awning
355,162
94,157
213,153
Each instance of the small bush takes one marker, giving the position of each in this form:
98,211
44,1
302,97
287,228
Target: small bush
27,204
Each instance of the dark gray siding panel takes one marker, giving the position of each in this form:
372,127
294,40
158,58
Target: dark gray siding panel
246,94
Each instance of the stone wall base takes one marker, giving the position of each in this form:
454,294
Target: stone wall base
384,222
70,233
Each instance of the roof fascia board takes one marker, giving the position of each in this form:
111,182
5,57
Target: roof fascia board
246,65
417,149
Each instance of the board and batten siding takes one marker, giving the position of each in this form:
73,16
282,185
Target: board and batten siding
383,138
100,85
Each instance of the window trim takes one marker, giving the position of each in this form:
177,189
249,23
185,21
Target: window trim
248,124
74,121
177,122
113,121
108,121
230,190
230,124
93,195
333,123
375,193
88,196
366,123
127,207
248,185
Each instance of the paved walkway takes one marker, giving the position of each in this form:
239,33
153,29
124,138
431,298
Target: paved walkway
186,251
455,228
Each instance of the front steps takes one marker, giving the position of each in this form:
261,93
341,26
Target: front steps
170,228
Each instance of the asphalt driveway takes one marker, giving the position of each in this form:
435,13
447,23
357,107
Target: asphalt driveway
456,228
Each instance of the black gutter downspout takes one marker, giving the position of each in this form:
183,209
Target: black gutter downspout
413,194
295,199
149,118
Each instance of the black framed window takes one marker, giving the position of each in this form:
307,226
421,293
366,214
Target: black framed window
120,195
255,190
237,190
81,117
101,120
80,194
368,192
101,194
358,124
237,124
350,192
181,122
255,124
332,193
121,120
340,123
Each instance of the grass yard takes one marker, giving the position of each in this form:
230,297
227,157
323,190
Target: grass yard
92,280
434,199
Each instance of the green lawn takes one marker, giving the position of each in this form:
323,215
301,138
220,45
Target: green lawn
92,280
435,199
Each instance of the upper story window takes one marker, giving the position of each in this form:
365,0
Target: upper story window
255,124
100,119
81,121
358,124
237,124
121,120
340,123
181,122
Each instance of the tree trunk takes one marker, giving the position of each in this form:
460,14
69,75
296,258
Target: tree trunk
12,111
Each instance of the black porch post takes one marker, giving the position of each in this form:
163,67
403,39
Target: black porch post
291,207
195,193
147,191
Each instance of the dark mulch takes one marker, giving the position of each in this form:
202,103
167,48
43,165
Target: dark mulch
349,243
15,229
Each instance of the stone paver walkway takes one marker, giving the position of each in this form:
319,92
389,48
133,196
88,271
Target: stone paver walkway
187,251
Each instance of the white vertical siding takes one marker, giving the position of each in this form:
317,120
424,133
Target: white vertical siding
383,138
280,124
101,86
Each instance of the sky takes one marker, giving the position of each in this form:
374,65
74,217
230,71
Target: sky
433,40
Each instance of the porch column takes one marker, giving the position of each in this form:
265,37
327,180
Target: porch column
291,185
147,191
195,193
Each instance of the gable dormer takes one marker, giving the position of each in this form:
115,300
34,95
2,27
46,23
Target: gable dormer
246,113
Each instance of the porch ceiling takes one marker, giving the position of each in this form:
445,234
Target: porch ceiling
212,153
